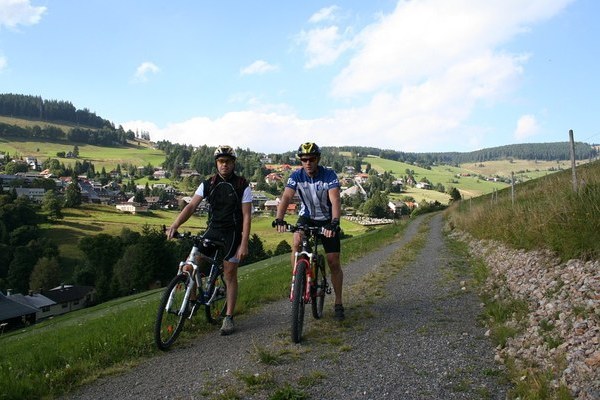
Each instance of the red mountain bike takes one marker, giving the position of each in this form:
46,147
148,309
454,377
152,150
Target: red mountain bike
309,280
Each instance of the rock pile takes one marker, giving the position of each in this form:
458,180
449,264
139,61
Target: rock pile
562,332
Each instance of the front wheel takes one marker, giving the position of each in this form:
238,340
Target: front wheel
217,307
298,299
318,291
171,314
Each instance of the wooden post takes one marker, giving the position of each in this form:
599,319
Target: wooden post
512,187
573,170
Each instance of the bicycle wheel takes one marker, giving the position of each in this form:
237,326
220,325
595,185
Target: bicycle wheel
318,294
169,321
215,311
298,300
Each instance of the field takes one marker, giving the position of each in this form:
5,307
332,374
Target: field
94,219
137,153
466,177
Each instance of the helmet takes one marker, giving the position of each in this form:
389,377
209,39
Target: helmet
225,150
309,148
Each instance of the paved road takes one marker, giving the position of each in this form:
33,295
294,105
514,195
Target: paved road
421,340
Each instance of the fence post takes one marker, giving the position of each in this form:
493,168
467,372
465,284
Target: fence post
573,170
512,187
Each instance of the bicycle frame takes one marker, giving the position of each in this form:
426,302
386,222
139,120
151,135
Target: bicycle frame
310,234
195,276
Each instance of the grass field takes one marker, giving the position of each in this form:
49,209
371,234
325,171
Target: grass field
92,219
107,157
469,186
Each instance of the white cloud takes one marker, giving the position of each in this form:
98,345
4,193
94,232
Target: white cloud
324,14
143,70
258,67
527,126
323,45
3,63
421,39
19,12
414,80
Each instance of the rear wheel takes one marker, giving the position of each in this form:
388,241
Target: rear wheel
318,292
171,316
215,311
298,300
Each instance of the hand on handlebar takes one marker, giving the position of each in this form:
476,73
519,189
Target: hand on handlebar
280,225
332,228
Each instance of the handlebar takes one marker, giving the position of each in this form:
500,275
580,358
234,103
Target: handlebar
303,227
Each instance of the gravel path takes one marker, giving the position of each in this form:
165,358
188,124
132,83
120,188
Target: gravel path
420,341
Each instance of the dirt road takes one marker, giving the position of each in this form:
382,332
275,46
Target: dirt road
420,340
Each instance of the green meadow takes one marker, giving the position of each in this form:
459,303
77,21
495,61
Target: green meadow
90,219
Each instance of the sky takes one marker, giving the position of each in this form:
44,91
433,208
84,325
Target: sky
411,76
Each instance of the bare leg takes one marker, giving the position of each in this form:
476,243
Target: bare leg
230,274
337,275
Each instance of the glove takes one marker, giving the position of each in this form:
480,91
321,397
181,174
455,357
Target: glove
334,225
278,222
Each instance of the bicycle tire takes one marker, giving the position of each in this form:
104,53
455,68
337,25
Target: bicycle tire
215,311
298,300
318,295
169,323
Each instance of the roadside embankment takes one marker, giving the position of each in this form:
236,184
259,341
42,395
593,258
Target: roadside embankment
561,333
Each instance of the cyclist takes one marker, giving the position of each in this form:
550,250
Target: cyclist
319,191
230,203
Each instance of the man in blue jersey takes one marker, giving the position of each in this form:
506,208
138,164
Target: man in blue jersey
319,191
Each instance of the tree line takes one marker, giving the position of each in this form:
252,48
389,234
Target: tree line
34,107
100,137
526,151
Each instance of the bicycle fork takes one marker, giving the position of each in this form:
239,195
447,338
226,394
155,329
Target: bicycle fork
308,260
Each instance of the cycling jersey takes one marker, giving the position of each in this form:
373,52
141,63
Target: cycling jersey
314,192
225,198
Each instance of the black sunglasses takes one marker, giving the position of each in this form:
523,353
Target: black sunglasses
309,159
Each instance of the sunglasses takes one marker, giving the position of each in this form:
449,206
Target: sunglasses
309,159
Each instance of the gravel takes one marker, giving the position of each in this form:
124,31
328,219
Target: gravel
420,341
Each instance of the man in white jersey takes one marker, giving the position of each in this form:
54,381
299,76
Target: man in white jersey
319,191
230,203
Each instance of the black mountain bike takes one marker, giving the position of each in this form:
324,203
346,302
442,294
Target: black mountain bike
309,279
205,280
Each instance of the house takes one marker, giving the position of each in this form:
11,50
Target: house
351,191
14,314
273,177
131,207
41,303
423,185
70,297
159,174
271,205
398,207
361,178
34,194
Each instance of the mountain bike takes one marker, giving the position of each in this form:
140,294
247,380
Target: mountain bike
200,274
309,279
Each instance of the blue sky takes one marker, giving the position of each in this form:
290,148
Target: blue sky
419,75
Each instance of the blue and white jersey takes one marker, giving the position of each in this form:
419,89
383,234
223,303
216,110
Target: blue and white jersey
314,192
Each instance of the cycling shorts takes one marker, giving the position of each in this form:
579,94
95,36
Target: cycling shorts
232,239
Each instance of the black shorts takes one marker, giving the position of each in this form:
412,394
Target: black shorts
330,245
232,239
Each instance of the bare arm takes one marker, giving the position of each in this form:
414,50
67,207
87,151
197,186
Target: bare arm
242,251
286,198
336,208
184,215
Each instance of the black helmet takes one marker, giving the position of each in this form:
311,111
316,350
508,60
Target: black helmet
309,149
225,151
